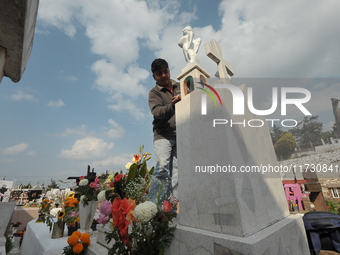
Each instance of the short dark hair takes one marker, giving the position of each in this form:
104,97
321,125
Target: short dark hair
158,64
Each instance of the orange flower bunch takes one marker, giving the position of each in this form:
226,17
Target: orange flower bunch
71,208
71,202
45,206
77,242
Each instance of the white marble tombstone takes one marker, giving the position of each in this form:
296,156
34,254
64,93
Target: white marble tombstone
228,212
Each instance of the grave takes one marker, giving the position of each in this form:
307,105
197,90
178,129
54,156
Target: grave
224,210
6,211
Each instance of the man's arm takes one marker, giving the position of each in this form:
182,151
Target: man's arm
159,108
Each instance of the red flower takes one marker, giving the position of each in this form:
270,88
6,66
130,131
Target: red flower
118,177
120,208
166,206
81,177
112,184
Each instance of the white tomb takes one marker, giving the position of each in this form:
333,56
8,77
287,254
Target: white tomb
227,212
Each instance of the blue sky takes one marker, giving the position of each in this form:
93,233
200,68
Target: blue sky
83,97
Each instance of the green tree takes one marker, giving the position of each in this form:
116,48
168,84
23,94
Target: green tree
276,133
53,185
285,146
307,131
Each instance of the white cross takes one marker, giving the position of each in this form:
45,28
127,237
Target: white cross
214,52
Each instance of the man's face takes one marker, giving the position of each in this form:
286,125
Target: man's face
162,77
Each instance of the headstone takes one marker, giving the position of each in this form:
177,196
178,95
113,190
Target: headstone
224,211
6,211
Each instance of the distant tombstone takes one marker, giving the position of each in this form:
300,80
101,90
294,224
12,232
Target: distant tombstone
332,140
323,142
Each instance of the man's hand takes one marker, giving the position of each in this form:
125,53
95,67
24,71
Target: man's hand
176,99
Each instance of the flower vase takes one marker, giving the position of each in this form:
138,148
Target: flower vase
58,231
16,243
71,229
14,230
87,213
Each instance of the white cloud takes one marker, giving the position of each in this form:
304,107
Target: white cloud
15,149
71,78
7,160
116,36
121,104
57,104
116,131
31,153
59,14
80,131
113,161
87,148
111,79
19,96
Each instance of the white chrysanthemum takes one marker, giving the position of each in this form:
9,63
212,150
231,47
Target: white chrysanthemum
55,211
83,182
101,196
82,198
128,165
145,211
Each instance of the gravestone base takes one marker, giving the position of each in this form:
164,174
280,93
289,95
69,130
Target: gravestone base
285,237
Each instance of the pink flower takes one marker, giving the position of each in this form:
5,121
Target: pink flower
95,184
103,219
166,206
105,208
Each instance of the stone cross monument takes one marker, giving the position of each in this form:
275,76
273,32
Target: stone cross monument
230,203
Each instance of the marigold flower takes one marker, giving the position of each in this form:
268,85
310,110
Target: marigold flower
73,239
78,248
77,233
85,238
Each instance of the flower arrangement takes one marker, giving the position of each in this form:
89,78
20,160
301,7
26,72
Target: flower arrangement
77,243
45,206
16,224
137,225
71,209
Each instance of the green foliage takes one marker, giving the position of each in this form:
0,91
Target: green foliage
53,185
334,206
9,244
276,133
285,146
308,130
28,186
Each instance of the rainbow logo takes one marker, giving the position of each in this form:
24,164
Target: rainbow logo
209,93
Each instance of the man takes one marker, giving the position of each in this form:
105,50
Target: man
162,100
